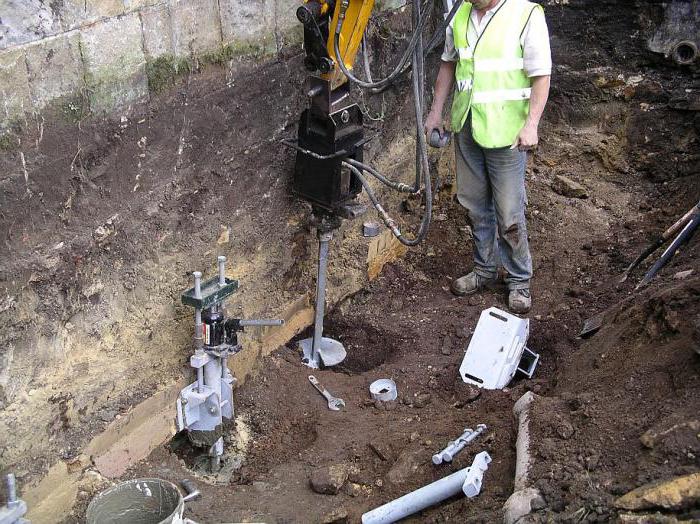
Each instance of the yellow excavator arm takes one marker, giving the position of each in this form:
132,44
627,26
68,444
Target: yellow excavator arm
353,29
320,19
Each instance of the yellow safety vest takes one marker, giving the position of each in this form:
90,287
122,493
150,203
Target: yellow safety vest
490,78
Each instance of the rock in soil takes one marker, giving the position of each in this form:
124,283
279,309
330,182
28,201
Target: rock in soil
564,429
475,300
337,516
422,400
329,480
379,450
446,348
92,482
566,187
676,494
406,466
470,392
685,433
647,518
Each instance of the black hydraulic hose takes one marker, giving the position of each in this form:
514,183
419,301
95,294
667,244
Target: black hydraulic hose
399,67
365,58
368,70
398,186
439,33
416,51
422,167
419,95
390,222
438,37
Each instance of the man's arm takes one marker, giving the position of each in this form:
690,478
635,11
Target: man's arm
538,66
528,138
443,87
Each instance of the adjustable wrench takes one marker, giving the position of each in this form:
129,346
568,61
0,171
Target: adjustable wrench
333,403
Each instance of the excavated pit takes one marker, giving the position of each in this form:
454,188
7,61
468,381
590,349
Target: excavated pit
113,215
368,347
580,466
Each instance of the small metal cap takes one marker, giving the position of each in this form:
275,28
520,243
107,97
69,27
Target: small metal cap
370,229
383,390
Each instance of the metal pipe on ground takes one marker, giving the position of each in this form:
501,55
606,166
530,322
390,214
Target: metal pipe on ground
467,480
15,508
454,447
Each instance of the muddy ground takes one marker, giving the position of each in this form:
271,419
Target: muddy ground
621,122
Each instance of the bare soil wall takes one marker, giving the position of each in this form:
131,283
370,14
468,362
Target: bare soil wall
103,222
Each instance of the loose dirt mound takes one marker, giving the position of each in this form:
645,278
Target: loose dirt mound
628,405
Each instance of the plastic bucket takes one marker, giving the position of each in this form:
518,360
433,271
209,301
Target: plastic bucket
138,501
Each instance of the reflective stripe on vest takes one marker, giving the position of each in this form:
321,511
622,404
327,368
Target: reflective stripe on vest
463,85
500,95
490,79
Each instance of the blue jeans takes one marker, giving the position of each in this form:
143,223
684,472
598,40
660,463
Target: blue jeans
491,186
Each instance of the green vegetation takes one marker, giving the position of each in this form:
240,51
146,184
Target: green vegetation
258,49
7,141
74,108
164,70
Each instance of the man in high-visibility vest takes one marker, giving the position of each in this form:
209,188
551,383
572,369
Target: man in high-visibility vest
497,56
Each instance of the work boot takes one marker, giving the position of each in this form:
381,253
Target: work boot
470,284
519,300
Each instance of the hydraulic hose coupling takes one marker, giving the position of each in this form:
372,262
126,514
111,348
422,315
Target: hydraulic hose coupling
344,4
394,229
390,223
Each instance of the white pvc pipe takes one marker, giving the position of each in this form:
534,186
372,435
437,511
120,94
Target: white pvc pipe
521,410
475,475
424,497
417,500
521,502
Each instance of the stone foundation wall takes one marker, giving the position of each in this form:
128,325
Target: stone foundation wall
101,55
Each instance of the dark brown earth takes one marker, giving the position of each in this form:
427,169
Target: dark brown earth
640,371
620,122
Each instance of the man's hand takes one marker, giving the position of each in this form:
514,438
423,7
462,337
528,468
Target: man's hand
527,138
434,121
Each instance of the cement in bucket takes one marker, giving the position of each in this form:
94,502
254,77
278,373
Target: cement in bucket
139,501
